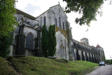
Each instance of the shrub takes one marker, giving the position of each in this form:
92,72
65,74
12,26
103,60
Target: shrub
5,42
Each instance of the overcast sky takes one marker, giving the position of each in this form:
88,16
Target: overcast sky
99,32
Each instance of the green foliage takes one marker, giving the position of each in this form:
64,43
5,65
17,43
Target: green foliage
108,61
88,9
7,19
44,66
48,41
7,22
52,41
5,42
44,41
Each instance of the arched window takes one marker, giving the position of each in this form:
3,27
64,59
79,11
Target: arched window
44,20
63,25
29,41
60,22
19,45
56,21
40,21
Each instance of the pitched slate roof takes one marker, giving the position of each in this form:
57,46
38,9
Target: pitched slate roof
25,14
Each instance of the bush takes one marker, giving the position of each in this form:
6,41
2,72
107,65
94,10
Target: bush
5,42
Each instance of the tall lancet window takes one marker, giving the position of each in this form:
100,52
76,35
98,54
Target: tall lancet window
56,21
63,26
44,20
60,22
40,21
29,41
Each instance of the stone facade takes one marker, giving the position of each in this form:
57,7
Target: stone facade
53,16
56,16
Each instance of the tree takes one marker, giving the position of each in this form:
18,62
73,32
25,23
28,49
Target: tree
7,22
52,41
7,19
44,41
88,9
48,41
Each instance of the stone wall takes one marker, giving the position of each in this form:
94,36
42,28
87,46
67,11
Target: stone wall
88,53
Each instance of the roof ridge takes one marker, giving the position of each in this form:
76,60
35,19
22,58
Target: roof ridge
47,10
26,14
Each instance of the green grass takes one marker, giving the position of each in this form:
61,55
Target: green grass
5,68
44,66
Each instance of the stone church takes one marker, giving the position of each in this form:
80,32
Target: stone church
29,29
28,33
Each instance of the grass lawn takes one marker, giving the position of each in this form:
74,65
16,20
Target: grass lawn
43,66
